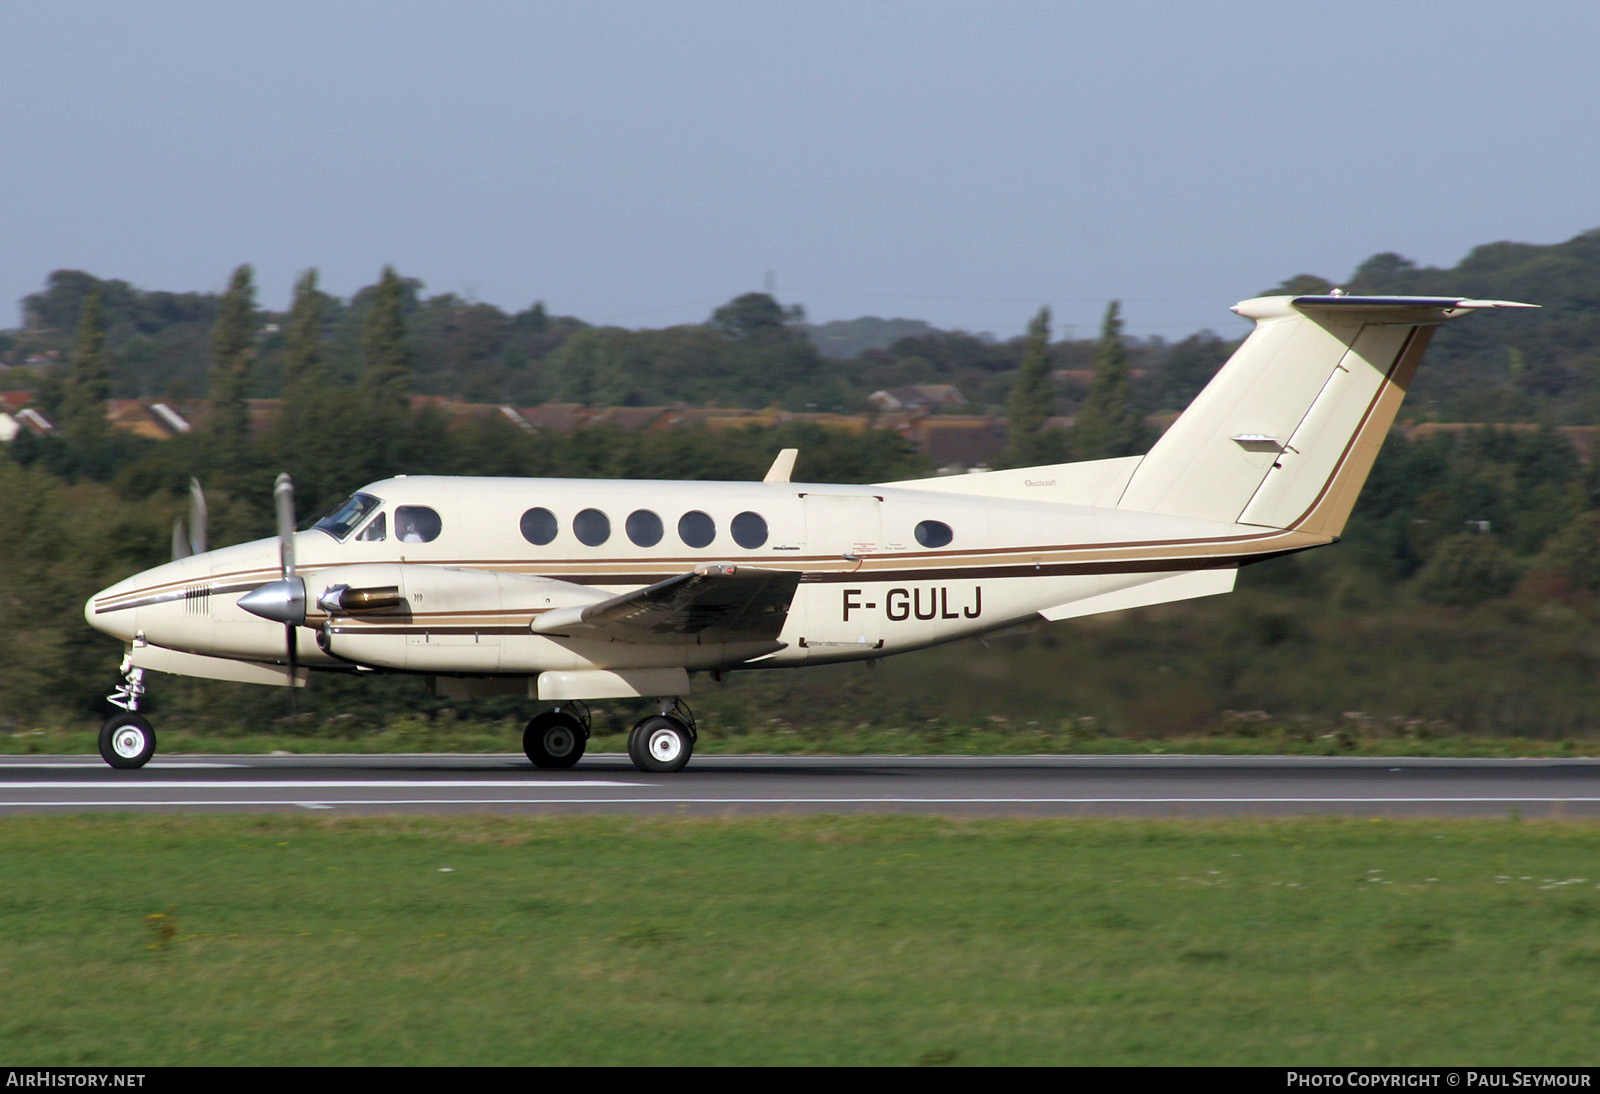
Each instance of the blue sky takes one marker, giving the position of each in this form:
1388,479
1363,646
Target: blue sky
639,163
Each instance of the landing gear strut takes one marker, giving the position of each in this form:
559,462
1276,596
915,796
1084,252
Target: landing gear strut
557,738
127,740
663,743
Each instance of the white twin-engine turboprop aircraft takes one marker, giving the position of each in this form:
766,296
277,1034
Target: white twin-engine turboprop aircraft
570,590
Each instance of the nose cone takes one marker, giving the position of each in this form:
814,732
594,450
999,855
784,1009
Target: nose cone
110,610
159,597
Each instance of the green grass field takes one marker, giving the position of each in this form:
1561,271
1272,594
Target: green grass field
867,940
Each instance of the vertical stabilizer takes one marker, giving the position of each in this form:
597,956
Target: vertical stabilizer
1286,432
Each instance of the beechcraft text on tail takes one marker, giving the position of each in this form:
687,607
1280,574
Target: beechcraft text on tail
567,591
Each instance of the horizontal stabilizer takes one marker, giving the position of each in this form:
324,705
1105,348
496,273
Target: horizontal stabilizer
1164,590
1401,309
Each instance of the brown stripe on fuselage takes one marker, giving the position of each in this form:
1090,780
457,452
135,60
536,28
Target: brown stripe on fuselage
983,562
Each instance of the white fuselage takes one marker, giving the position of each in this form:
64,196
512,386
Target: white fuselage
884,569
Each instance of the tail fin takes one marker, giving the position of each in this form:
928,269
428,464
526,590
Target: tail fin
1286,432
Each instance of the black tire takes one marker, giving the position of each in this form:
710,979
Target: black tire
127,741
660,745
554,739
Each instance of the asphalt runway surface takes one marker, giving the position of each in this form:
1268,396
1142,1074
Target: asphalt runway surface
1010,786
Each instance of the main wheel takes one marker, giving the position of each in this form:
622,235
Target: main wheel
127,741
554,739
660,744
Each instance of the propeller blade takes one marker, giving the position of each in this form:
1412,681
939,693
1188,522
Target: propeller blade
180,541
283,499
197,518
290,638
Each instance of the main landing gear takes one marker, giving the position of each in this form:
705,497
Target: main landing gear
127,740
659,744
557,737
664,742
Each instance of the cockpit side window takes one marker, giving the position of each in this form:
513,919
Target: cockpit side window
377,531
416,524
349,514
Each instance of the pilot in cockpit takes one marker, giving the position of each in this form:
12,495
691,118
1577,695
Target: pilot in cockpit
416,524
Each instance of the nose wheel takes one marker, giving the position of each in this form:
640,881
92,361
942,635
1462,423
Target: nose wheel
127,740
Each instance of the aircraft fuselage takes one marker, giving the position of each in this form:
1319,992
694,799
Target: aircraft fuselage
468,598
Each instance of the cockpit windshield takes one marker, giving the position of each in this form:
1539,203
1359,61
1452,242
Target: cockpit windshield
350,512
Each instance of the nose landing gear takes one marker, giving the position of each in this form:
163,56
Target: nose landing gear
127,740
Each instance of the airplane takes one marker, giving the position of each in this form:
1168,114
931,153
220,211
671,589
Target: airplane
569,591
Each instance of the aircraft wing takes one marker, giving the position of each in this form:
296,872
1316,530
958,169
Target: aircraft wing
720,603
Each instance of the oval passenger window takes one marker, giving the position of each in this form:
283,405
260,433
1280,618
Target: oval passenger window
749,530
592,527
933,533
696,529
644,528
539,526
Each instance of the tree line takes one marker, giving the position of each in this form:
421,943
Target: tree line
756,352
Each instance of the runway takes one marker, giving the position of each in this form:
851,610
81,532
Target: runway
1011,786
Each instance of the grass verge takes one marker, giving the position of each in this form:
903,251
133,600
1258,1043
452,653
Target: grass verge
862,940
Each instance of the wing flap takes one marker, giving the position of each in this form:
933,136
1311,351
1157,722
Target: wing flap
721,603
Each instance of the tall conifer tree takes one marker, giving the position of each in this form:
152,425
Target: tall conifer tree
83,407
319,440
386,379
232,350
1107,424
1032,400
302,352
